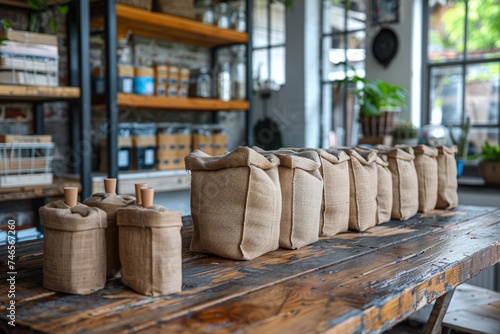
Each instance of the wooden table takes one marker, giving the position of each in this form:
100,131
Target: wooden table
351,283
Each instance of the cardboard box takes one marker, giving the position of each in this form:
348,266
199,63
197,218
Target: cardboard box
25,139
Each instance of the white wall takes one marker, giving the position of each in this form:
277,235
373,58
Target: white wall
404,70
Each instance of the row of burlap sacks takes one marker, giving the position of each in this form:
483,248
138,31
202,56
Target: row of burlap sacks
110,236
250,202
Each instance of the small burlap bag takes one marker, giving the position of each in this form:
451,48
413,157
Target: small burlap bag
404,182
150,249
235,203
74,248
334,170
447,178
384,190
427,173
110,203
363,189
302,192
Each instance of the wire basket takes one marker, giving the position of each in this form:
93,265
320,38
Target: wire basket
25,164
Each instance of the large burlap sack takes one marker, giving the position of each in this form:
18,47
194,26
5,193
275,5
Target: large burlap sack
150,249
235,203
404,182
74,248
427,173
302,192
447,178
363,189
384,190
110,203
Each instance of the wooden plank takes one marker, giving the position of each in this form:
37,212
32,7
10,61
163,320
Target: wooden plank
173,28
438,312
37,93
485,319
192,103
211,281
30,192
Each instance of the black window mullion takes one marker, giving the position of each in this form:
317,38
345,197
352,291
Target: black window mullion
464,57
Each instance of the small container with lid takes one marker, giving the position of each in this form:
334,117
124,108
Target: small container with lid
144,81
200,83
224,82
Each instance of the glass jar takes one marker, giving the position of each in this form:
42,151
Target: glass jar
239,76
124,52
205,12
222,16
224,82
203,83
238,19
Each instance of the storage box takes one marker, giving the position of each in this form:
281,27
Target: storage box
143,152
172,148
124,154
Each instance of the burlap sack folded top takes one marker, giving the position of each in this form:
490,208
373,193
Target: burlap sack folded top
110,203
334,169
363,189
302,192
150,249
404,182
427,173
384,190
447,178
235,203
74,259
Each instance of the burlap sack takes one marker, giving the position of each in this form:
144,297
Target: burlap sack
384,190
427,173
404,182
74,258
110,203
235,203
447,178
302,192
363,189
150,249
334,170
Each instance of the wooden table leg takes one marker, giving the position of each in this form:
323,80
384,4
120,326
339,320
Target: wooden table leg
438,312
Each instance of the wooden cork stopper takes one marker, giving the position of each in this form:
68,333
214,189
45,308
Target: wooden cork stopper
147,195
70,196
110,186
138,187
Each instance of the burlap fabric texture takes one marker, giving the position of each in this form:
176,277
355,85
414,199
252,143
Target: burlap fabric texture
235,203
302,192
363,189
447,178
334,170
74,255
404,182
110,203
150,249
384,190
427,173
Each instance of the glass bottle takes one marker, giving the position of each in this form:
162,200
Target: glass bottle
238,19
239,76
203,83
205,12
224,82
222,16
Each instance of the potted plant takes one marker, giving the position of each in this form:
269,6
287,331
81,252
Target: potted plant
489,167
405,134
461,141
378,101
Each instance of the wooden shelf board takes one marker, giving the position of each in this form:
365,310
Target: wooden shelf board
161,102
38,93
176,29
55,189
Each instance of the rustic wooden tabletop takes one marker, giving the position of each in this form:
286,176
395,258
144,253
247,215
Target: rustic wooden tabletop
350,283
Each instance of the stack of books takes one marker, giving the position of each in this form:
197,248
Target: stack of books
28,58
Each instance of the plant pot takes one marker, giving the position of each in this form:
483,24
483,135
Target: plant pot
490,172
378,126
406,141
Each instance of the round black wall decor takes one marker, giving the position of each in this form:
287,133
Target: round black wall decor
385,46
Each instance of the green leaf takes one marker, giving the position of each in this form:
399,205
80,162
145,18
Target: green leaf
37,5
63,9
6,24
53,24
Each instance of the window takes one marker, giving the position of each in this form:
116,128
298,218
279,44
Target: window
343,33
269,41
463,67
